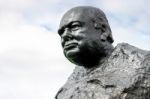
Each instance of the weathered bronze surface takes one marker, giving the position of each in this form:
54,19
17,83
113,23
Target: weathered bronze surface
102,71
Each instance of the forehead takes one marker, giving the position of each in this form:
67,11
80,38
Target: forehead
76,15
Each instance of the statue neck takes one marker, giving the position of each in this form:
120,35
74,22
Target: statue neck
108,52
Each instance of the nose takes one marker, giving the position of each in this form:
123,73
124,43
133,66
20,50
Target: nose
66,36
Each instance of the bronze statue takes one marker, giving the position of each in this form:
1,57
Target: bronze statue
102,71
86,36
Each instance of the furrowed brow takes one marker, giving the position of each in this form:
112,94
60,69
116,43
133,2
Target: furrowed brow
60,30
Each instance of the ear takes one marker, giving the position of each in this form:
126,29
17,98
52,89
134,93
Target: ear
104,32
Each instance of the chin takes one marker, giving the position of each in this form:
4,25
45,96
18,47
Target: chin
76,61
81,59
71,54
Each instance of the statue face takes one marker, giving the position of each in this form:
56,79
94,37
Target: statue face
80,40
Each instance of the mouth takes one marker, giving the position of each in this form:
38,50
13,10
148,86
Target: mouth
70,46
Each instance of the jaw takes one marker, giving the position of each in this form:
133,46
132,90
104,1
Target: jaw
88,54
87,59
87,62
83,58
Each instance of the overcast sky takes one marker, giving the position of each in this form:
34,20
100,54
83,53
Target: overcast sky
32,64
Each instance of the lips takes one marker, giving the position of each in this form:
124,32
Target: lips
69,46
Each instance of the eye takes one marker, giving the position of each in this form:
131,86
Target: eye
75,26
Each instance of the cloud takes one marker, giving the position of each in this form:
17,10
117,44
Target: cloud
32,63
29,58
129,21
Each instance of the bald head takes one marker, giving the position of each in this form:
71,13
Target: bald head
85,36
89,13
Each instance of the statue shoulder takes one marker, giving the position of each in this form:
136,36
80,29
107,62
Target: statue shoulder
125,49
130,48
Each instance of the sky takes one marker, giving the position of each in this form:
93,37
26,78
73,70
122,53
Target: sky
32,64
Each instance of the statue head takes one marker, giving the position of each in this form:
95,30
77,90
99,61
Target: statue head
86,36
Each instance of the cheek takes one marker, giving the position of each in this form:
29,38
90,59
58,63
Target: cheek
81,33
86,44
79,36
92,43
